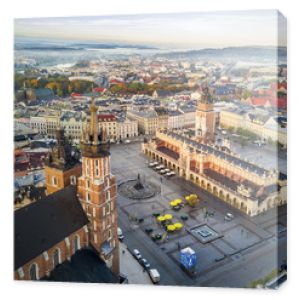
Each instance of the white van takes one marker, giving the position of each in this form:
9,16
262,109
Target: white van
120,234
154,275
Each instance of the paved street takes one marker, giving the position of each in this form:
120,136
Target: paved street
131,267
245,250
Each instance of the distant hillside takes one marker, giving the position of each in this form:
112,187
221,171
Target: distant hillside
236,53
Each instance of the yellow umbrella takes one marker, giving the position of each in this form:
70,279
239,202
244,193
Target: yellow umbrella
173,203
178,201
178,225
171,227
168,217
160,218
187,198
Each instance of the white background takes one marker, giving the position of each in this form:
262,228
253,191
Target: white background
49,8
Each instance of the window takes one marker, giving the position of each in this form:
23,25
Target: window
73,179
88,184
108,208
88,210
67,240
87,167
76,243
33,272
88,197
109,234
95,238
108,221
56,258
45,255
107,182
54,180
103,210
107,195
106,166
21,272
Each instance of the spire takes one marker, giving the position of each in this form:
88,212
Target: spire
206,96
94,142
94,120
61,155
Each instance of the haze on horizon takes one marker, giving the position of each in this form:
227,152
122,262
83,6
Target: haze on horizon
174,30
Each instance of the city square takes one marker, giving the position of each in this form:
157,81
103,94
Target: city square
151,162
242,238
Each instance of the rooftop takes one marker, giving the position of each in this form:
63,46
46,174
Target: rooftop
85,266
199,147
58,215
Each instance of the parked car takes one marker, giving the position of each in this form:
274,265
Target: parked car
162,172
137,254
170,174
229,217
160,167
154,275
144,262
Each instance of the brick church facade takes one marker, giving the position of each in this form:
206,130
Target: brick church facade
78,211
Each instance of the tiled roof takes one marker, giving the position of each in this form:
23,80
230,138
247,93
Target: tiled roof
223,155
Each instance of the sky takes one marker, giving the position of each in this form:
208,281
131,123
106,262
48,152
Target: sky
186,30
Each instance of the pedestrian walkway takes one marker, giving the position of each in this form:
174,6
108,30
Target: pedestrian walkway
131,268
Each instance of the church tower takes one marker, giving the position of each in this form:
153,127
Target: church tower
62,167
97,192
205,118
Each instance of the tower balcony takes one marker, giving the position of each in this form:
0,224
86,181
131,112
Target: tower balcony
94,150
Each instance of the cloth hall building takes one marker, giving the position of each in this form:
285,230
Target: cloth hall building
241,184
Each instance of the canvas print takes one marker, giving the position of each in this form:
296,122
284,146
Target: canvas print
151,149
